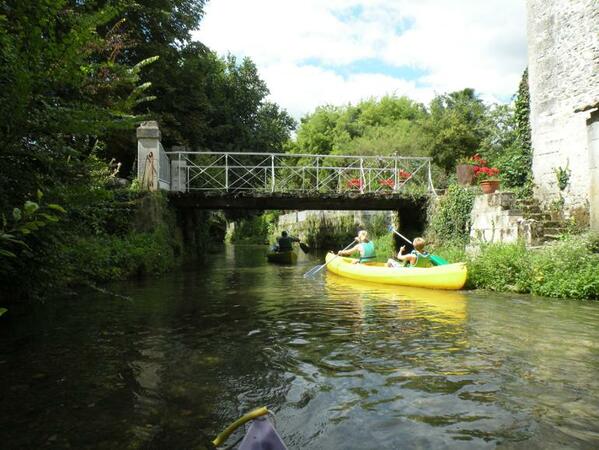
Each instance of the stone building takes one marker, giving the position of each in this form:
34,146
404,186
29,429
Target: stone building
563,58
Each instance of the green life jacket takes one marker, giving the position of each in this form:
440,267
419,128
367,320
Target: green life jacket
422,259
369,254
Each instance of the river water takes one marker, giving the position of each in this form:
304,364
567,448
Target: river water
344,365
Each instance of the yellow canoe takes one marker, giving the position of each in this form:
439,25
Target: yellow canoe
449,276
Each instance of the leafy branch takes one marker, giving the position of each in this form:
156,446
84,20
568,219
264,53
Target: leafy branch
25,221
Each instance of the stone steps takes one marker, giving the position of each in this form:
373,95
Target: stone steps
539,217
546,226
500,218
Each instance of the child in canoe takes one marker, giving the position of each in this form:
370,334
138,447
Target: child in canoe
364,247
416,258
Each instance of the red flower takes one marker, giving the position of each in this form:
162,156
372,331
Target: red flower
404,174
486,173
355,183
387,182
477,159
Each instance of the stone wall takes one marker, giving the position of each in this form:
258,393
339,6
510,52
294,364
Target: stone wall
494,220
563,57
330,229
359,217
593,128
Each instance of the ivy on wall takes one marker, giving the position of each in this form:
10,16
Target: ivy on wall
514,156
450,216
522,114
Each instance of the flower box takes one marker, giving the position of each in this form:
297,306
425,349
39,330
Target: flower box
404,174
355,183
387,182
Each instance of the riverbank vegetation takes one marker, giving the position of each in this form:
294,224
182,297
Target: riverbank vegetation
564,268
77,78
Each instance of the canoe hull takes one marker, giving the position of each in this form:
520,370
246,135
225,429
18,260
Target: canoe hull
450,276
261,436
282,257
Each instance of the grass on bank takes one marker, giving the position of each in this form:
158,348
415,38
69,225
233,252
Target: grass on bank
568,268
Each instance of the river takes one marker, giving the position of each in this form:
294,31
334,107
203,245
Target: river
344,365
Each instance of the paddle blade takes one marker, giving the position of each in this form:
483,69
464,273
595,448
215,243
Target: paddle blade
304,247
437,260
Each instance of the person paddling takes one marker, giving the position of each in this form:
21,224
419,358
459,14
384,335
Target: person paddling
284,242
416,258
364,247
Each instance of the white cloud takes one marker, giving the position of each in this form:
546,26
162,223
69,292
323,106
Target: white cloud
298,45
300,89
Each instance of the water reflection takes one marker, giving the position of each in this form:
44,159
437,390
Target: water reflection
344,364
438,306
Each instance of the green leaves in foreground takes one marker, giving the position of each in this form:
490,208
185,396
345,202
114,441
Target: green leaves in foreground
2,311
25,221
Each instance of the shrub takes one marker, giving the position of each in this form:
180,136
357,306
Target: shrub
450,218
451,252
501,267
254,230
385,246
568,268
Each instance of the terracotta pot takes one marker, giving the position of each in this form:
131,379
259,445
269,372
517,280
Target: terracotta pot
465,174
489,186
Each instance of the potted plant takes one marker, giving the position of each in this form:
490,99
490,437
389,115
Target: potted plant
465,169
488,178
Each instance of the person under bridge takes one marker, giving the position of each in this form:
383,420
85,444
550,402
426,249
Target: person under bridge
285,242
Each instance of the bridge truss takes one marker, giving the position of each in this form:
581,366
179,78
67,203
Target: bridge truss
299,173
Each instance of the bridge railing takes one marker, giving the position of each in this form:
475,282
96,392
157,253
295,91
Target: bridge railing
305,173
164,168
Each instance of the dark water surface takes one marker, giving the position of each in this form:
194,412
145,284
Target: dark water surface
344,365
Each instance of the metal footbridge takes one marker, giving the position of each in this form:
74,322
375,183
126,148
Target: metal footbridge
281,180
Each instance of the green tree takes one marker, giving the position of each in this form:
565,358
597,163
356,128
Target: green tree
317,131
202,101
374,126
60,89
454,127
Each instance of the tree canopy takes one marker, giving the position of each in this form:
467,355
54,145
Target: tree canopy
76,77
384,127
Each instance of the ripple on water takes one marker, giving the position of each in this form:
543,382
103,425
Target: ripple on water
343,364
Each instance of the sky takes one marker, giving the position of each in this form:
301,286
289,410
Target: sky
316,52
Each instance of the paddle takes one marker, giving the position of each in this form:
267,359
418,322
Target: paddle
304,247
436,260
314,270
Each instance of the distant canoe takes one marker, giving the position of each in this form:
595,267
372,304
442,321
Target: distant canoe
288,257
449,276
